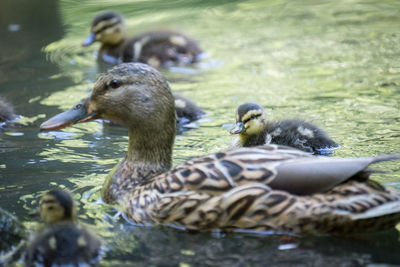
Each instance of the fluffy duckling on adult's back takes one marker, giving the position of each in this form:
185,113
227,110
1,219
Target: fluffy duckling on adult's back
156,48
253,129
61,241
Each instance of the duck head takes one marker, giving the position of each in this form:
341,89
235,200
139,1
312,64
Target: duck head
137,96
250,119
107,28
133,94
57,206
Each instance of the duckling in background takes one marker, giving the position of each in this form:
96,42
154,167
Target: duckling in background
61,241
259,188
6,111
156,48
253,129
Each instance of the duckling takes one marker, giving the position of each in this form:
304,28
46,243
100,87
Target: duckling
267,187
254,129
186,112
61,241
6,111
156,48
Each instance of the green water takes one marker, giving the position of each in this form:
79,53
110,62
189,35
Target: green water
333,63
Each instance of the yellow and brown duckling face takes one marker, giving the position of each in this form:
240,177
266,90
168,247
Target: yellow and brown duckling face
250,119
57,206
107,28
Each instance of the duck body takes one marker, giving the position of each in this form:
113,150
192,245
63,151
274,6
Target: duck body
61,241
260,188
254,129
156,48
287,191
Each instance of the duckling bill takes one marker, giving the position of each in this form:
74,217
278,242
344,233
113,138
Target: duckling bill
267,187
253,129
156,48
61,241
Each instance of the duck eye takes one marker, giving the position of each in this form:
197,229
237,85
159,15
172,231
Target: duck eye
78,106
115,84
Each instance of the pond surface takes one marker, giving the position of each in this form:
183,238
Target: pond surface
333,63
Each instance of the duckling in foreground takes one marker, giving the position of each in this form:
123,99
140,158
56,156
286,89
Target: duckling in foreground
156,48
61,241
260,188
253,129
6,111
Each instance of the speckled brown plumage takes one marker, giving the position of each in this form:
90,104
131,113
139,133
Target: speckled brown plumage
157,48
267,187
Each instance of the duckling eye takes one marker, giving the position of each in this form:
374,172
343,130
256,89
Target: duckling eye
115,84
252,117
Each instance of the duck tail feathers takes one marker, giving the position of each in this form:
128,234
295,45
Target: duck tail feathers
385,158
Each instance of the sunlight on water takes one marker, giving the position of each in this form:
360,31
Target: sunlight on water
332,63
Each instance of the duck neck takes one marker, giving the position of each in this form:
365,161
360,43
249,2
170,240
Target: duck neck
151,150
148,155
253,139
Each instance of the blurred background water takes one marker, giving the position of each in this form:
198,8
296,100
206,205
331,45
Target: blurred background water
333,63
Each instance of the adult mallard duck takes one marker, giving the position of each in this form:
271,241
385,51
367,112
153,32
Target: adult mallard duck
156,48
253,129
61,241
266,187
6,111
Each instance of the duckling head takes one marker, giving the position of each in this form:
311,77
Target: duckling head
250,120
107,28
57,206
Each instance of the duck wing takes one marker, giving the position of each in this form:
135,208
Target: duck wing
279,167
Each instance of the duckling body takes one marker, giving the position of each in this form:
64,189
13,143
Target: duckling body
268,187
254,129
6,111
156,48
61,241
186,110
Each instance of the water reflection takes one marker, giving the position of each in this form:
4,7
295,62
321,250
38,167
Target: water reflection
332,63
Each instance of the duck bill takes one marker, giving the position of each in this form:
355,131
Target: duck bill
239,128
89,40
79,113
